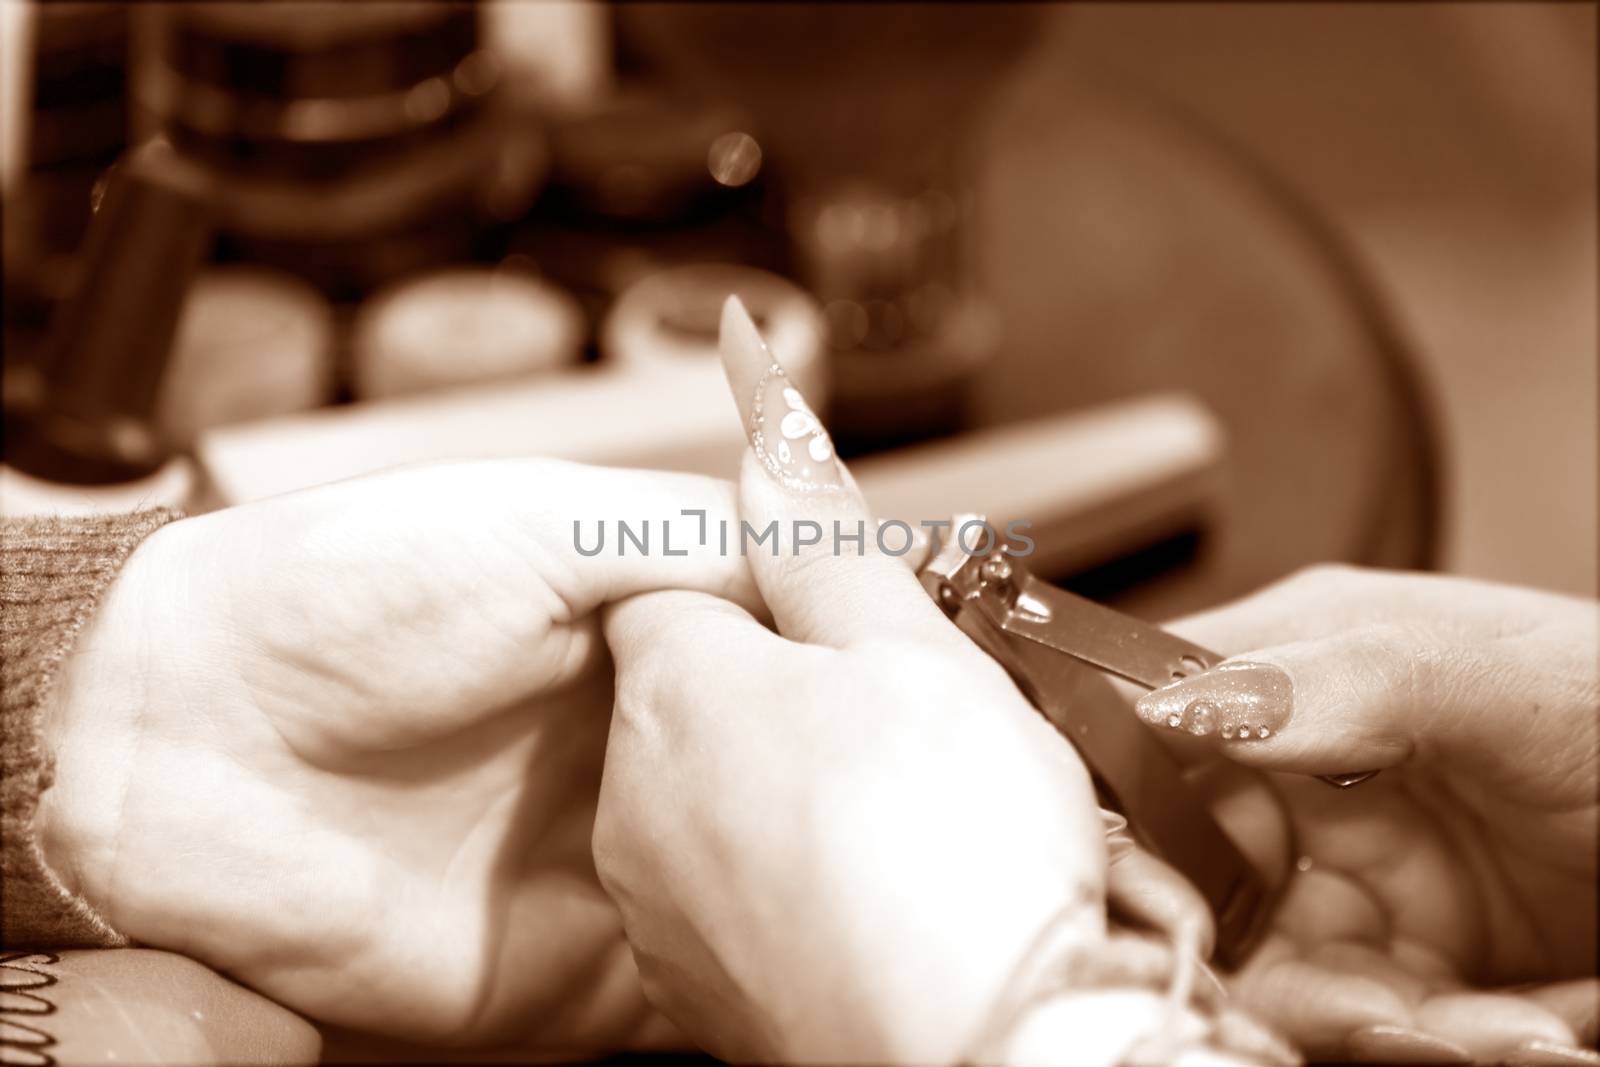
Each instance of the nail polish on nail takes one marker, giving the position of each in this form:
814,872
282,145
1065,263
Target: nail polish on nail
1548,1054
1401,1044
1236,701
784,432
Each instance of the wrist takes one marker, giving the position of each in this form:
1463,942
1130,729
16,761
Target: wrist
89,725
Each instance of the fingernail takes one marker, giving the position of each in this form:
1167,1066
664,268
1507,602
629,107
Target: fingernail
1236,701
1547,1054
1400,1044
784,432
1238,1033
1118,841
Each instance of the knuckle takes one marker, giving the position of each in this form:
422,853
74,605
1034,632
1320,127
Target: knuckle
811,565
1326,576
1404,660
637,689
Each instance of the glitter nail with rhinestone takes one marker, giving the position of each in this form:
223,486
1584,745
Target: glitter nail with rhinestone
1200,717
1245,701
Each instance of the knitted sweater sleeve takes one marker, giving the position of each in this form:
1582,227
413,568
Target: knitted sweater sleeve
52,573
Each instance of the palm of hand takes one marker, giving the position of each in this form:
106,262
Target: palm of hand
1413,890
327,815
452,884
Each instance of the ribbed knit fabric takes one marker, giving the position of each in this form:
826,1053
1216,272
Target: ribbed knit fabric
52,573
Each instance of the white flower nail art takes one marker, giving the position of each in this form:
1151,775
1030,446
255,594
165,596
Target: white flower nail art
797,424
801,421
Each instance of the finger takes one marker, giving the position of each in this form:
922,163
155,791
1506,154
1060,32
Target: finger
667,645
812,545
1329,598
597,535
1375,697
678,749
636,531
1577,1002
1317,1009
1320,907
1316,601
1371,961
550,511
1249,812
1142,888
435,596
1361,856
613,533
1391,668
1499,1027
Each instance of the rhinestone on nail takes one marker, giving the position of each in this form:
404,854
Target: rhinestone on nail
1202,717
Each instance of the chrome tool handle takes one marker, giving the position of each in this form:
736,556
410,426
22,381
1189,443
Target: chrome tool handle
1132,769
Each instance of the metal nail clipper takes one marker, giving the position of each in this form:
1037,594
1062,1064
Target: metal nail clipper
1043,635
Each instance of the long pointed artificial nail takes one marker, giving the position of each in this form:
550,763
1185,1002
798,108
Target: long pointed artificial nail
785,433
1401,1044
1236,702
1549,1054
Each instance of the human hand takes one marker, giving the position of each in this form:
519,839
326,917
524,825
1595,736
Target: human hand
836,842
1469,864
344,746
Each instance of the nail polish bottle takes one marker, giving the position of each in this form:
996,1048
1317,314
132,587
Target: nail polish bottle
91,443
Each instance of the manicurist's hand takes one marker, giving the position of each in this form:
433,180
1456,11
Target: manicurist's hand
344,746
839,841
1469,865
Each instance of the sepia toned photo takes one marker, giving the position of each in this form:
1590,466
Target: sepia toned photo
883,533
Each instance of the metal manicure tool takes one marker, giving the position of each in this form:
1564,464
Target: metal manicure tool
1043,635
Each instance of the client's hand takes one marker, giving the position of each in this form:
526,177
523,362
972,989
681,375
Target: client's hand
344,745
1470,862
836,842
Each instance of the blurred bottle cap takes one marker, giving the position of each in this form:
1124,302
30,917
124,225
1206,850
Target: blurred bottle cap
672,317
251,343
460,326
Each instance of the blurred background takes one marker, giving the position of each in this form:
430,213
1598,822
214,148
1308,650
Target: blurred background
1205,291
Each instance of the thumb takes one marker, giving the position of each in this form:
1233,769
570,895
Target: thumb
828,572
1369,697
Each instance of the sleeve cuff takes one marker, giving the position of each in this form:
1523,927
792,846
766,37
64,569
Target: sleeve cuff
52,574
